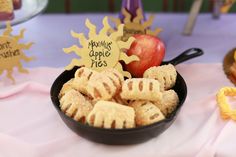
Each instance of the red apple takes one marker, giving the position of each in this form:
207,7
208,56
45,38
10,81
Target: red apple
149,49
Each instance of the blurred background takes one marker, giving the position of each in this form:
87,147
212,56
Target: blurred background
83,6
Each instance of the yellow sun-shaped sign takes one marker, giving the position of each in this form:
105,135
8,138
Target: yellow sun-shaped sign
11,52
101,51
135,26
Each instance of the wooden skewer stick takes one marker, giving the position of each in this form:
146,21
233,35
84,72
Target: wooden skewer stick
192,17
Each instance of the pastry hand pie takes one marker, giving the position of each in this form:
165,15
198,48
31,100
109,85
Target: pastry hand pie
101,87
119,100
146,113
66,87
75,105
141,89
165,74
104,99
82,76
108,114
168,103
115,76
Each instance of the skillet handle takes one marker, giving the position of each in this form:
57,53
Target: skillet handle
186,55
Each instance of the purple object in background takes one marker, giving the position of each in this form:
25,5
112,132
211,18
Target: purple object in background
17,4
131,6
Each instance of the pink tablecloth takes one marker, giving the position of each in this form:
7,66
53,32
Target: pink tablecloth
30,126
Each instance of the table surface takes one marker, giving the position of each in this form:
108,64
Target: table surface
30,125
51,33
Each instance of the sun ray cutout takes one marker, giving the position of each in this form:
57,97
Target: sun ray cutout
80,36
135,26
227,5
127,16
91,27
138,18
11,52
106,26
101,51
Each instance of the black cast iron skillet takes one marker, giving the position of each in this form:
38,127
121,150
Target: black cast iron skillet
124,136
